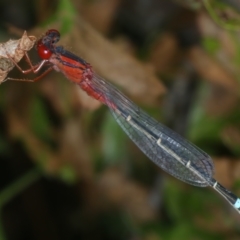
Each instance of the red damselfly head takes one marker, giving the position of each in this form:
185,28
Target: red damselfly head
46,44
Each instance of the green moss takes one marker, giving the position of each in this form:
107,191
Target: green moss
212,45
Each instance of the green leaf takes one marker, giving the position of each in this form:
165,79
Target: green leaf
39,119
68,174
64,17
114,141
212,45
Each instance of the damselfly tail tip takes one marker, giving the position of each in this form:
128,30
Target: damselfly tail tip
237,205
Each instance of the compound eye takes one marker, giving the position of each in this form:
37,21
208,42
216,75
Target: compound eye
43,52
54,35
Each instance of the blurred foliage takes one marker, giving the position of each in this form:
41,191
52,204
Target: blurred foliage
225,14
68,171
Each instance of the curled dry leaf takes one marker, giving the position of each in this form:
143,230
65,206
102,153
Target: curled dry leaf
6,65
14,49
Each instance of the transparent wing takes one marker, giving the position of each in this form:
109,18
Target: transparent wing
164,147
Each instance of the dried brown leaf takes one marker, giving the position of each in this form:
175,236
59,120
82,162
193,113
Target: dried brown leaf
73,149
6,65
226,52
164,52
211,70
14,49
18,127
126,193
72,146
223,171
100,14
227,171
220,101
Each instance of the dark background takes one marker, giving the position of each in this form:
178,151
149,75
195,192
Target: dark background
67,170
